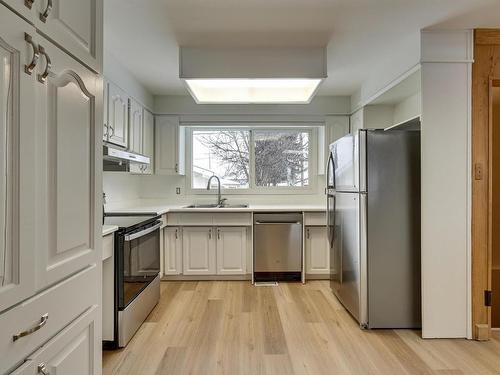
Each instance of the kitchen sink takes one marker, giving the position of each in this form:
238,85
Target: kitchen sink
217,206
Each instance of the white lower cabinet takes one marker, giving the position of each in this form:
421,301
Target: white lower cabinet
72,351
172,251
231,251
205,250
198,250
317,251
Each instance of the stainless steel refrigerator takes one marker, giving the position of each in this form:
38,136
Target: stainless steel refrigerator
373,195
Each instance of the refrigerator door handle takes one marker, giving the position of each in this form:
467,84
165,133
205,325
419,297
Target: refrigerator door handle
331,163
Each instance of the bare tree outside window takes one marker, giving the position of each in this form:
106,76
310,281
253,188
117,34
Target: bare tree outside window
281,157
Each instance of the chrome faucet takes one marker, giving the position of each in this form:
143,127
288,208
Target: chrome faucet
220,202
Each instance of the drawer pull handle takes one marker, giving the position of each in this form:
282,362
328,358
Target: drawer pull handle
28,69
42,369
45,14
43,321
28,3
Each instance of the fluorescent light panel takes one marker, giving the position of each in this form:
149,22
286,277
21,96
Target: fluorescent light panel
213,91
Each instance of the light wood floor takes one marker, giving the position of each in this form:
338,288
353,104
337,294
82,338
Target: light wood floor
231,327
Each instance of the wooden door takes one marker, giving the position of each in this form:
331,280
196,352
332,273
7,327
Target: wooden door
231,250
317,251
198,251
117,115
172,251
68,122
74,24
17,159
148,145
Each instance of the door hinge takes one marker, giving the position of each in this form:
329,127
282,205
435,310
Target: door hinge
487,297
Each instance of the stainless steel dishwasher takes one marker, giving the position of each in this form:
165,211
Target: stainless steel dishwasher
277,246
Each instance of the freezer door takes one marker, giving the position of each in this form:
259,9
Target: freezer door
345,154
346,252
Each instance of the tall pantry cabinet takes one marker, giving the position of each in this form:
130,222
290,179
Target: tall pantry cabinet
50,186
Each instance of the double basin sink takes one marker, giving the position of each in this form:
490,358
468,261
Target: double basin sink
217,206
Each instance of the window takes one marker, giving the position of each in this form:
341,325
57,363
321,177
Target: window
251,159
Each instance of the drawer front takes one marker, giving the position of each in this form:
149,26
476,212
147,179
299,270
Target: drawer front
233,219
108,243
71,351
190,219
314,218
55,304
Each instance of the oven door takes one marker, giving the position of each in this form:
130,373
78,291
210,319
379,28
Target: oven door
140,262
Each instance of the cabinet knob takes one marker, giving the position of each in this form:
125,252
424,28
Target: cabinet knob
218,234
210,234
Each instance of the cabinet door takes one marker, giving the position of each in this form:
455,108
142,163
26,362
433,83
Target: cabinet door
169,146
75,350
172,251
68,133
198,251
317,251
117,115
25,8
148,145
76,25
105,132
17,159
136,127
231,251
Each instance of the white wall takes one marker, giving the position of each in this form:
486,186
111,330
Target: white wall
408,108
446,126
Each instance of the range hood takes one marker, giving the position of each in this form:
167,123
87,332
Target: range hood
117,160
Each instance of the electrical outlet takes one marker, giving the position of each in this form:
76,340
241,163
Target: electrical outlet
177,190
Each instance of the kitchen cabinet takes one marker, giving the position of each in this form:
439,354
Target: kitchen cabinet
136,127
69,352
17,158
198,251
231,250
169,146
172,251
117,123
148,146
66,135
317,251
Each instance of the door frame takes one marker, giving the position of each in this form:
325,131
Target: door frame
484,77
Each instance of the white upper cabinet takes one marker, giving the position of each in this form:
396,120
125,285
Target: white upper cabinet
199,253
17,159
317,251
117,126
148,148
169,146
74,24
69,104
231,250
136,127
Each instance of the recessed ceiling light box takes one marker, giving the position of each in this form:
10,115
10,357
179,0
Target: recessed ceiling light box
255,75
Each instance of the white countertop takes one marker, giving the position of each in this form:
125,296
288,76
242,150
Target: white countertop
108,229
162,209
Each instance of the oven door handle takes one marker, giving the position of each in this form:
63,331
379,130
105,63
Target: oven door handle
133,236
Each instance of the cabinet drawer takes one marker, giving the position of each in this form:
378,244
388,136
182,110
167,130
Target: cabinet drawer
53,303
314,218
108,243
190,219
71,351
233,218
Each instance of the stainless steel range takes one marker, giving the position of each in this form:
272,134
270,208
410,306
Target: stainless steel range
136,274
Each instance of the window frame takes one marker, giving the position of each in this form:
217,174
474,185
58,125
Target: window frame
312,130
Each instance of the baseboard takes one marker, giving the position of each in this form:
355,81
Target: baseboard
317,276
207,277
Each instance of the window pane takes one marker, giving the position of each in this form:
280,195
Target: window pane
281,158
224,153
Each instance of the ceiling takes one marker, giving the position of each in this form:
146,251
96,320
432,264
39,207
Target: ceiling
362,36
